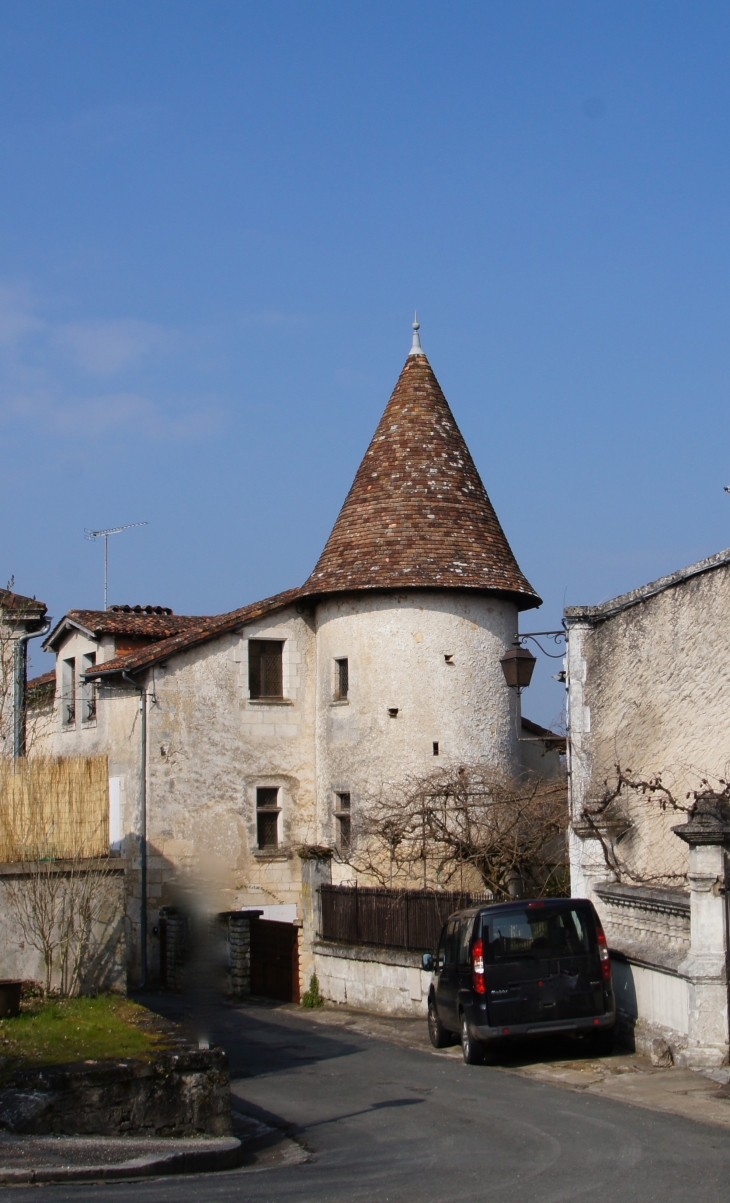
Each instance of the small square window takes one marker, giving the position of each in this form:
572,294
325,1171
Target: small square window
267,818
343,822
342,680
265,677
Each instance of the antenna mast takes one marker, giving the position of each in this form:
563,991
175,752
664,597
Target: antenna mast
104,534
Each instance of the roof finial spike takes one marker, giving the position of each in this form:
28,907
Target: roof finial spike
416,349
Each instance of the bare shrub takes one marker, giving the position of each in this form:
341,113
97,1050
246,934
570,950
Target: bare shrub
467,826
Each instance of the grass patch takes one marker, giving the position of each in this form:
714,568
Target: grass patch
75,1029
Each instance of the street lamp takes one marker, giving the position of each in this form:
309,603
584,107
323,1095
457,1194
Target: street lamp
518,663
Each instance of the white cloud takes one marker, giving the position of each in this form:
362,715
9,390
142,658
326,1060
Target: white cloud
93,418
16,315
103,348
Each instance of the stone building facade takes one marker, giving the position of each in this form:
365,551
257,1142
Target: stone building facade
242,745
648,676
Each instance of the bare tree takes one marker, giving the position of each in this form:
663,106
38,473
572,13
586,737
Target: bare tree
465,826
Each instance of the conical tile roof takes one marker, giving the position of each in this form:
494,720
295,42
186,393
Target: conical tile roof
418,515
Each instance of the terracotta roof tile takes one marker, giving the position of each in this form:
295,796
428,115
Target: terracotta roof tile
133,622
418,515
203,630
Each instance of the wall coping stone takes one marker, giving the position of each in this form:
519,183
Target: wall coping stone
368,952
645,898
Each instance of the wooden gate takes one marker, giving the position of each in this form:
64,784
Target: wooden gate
275,960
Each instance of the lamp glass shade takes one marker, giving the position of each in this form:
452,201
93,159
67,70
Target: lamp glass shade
518,665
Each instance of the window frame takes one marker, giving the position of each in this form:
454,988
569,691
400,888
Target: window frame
343,821
264,810
68,692
88,696
341,691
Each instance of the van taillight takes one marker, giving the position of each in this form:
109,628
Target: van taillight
603,953
477,967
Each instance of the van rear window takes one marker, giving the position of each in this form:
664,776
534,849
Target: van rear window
525,933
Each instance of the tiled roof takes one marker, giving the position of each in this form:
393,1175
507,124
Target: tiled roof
42,684
203,630
150,622
418,515
550,737
26,610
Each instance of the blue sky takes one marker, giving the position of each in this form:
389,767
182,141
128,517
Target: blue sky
217,217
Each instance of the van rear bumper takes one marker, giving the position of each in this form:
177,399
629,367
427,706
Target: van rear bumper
591,1023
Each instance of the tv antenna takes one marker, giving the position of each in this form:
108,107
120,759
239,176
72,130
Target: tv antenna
104,534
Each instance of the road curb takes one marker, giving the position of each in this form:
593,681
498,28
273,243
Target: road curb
225,1156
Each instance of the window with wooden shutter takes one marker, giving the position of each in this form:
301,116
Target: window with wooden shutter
265,676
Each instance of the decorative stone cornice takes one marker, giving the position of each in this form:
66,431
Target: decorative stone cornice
709,822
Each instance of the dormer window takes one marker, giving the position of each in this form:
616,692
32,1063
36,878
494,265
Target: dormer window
342,680
265,675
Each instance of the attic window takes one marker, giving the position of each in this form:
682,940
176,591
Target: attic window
342,680
267,817
265,677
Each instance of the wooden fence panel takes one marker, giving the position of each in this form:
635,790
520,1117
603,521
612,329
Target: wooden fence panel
408,919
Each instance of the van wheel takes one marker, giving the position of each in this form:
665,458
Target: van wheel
472,1049
440,1038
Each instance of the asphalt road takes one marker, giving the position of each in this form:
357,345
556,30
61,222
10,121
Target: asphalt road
397,1125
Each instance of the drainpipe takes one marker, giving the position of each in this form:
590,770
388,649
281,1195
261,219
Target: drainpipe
20,682
142,828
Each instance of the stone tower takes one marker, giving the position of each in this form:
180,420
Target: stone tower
418,590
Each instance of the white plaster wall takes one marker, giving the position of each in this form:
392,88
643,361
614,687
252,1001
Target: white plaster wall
396,646
657,998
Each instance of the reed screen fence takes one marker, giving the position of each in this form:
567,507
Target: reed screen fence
408,919
53,808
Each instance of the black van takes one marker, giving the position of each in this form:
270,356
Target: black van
520,969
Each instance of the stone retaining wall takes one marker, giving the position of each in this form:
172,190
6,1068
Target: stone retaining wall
180,1093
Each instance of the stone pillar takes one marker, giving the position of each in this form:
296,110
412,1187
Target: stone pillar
707,832
239,951
316,871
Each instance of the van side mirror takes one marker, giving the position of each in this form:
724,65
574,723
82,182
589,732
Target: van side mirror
427,962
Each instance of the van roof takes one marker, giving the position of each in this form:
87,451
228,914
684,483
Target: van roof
514,903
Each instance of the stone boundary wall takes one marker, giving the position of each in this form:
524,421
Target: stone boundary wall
385,981
648,932
645,924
